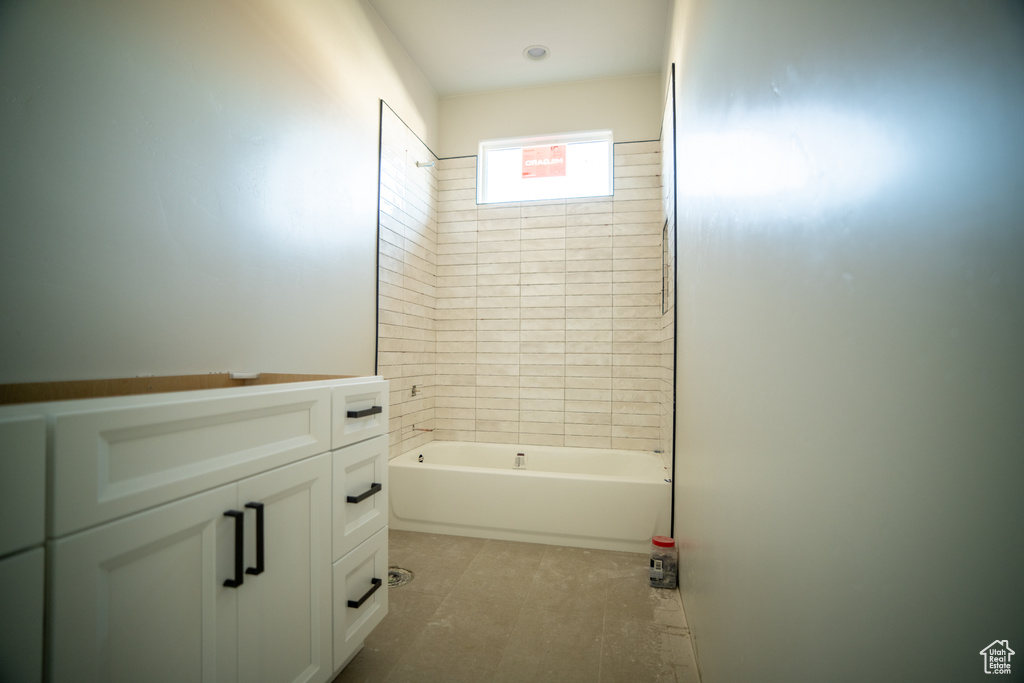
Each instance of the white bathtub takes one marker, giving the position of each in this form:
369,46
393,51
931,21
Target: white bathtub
583,497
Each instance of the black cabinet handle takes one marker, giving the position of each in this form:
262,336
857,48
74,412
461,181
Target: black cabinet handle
365,412
374,488
356,604
258,569
239,538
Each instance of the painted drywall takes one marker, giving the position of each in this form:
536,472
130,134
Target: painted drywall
850,459
630,107
191,186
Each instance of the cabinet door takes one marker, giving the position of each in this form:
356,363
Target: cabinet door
356,469
284,618
142,598
21,616
357,610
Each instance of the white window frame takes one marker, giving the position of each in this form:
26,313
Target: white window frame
489,146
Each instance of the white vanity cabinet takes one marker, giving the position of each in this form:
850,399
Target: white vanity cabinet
145,597
159,509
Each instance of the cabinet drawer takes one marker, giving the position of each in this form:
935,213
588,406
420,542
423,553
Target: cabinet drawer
116,457
360,493
354,577
360,412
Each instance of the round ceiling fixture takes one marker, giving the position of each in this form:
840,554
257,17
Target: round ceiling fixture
536,53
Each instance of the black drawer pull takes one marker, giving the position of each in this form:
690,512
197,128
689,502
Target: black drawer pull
239,538
356,604
374,488
366,412
258,569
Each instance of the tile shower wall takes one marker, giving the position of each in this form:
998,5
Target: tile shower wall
407,275
550,322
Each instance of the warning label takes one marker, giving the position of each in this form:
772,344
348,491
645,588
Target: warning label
543,162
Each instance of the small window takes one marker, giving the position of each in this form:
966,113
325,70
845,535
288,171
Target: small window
549,167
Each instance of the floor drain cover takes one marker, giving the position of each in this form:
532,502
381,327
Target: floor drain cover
398,576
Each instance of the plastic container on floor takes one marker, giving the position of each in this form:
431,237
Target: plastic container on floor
664,562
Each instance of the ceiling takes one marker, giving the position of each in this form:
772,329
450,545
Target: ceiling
467,46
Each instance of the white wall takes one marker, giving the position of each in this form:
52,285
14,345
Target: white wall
191,186
630,107
851,301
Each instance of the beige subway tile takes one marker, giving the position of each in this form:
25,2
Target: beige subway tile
535,359
596,312
555,393
500,251
485,380
586,407
545,347
637,350
555,336
455,413
636,384
485,259
498,324
588,383
635,182
494,269
484,313
638,312
529,312
602,395
542,255
599,347
531,267
506,428
597,230
531,210
538,428
587,370
626,444
592,245
588,265
445,434
497,211
506,236
589,206
641,424
527,382
600,421
541,324
574,323
590,224
537,372
530,439
634,408
542,409
542,233
587,441
650,287
543,289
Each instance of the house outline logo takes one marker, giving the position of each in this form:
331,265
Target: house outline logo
997,656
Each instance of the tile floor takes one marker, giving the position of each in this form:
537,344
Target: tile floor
503,612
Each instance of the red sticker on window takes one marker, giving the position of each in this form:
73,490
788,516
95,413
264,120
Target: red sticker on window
543,162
